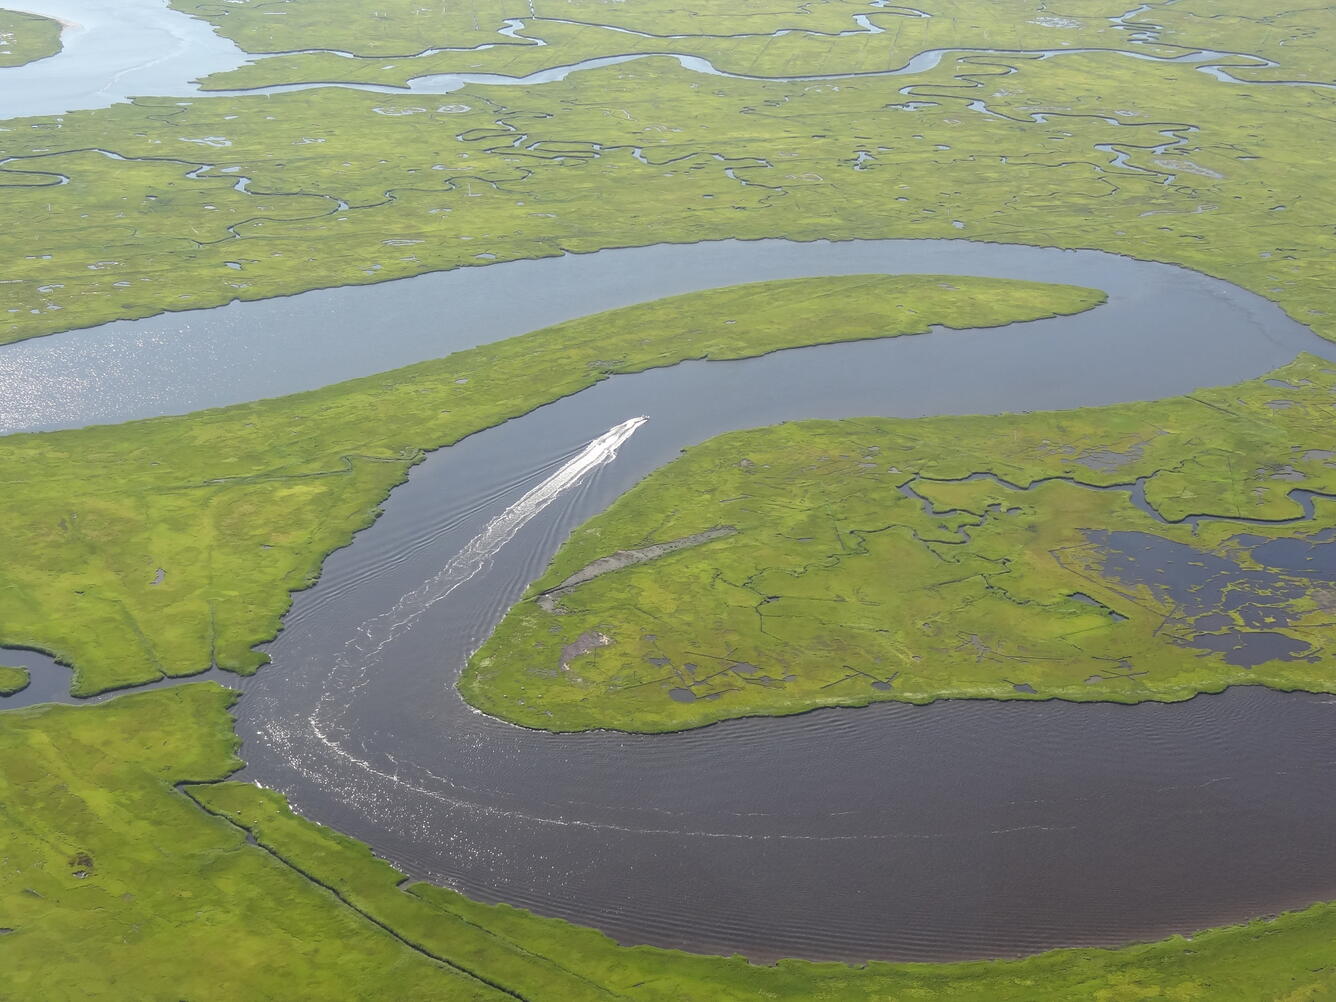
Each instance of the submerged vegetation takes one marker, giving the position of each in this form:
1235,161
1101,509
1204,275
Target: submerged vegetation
1145,551
103,849
165,546
25,38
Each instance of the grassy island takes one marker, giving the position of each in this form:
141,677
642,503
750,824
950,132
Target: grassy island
25,38
12,680
168,204
165,546
342,40
1144,551
104,848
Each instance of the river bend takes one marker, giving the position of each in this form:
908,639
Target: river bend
960,829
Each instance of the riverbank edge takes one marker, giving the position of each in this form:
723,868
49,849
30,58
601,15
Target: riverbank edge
1012,239
1078,300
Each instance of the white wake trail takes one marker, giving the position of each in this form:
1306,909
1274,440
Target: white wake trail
351,669
466,564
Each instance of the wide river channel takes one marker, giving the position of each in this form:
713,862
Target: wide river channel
961,829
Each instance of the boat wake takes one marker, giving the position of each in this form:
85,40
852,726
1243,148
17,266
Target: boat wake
374,634
351,669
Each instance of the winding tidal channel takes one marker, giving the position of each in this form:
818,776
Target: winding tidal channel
961,829
116,50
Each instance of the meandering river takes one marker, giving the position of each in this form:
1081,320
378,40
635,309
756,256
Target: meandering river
1198,331
960,829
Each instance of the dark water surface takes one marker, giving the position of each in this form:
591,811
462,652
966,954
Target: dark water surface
961,829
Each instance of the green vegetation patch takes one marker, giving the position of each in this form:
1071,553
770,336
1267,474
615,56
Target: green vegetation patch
399,39
118,887
165,546
25,38
540,958
12,680
962,557
817,40
198,202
